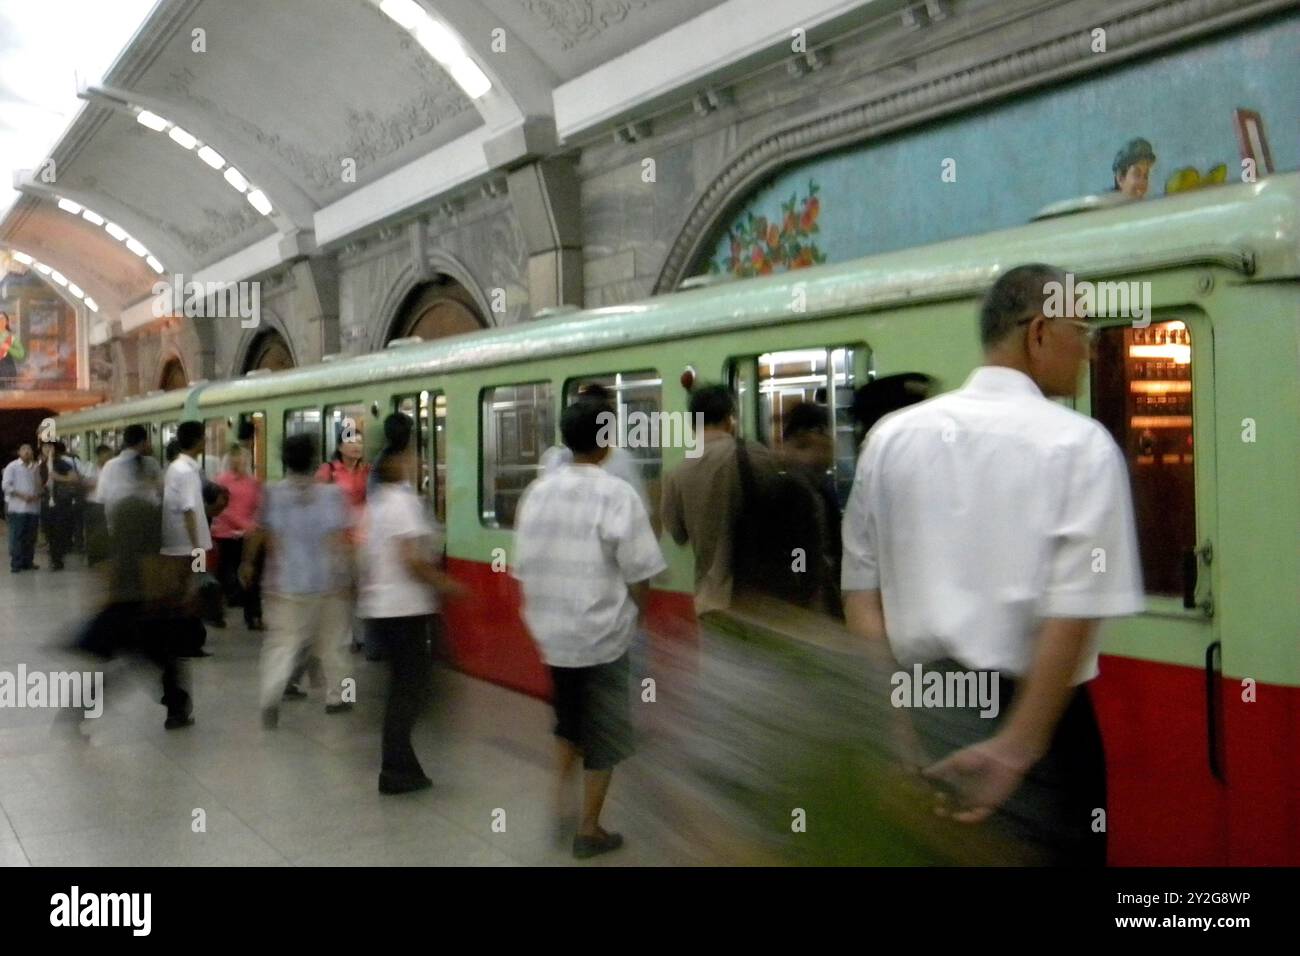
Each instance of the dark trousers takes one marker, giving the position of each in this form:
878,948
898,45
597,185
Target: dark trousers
231,551
57,519
405,641
22,539
96,533
1052,818
124,627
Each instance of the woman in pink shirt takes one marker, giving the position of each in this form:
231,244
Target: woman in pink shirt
229,529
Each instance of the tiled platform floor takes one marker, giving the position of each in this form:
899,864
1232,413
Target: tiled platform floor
126,792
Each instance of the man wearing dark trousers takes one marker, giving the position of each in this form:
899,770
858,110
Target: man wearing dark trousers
988,532
22,488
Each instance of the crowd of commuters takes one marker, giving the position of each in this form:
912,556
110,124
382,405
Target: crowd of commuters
966,545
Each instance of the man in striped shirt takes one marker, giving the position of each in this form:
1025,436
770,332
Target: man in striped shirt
584,555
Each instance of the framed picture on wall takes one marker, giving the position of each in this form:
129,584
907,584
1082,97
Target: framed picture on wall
1252,141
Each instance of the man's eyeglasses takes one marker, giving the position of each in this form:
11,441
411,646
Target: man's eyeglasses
1088,330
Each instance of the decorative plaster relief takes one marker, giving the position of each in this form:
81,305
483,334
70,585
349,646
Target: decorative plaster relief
369,135
580,21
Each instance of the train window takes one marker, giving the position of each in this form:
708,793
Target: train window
1142,393
253,425
302,421
343,423
518,425
773,383
638,399
215,445
74,446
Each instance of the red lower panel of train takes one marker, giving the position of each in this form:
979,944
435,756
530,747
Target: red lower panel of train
1165,806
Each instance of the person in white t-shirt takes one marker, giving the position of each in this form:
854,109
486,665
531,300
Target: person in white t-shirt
584,555
401,581
971,541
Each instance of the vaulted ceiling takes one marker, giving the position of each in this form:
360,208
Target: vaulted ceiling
333,112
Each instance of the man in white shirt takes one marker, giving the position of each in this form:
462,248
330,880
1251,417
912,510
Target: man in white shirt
185,523
22,488
988,531
584,554
132,473
184,534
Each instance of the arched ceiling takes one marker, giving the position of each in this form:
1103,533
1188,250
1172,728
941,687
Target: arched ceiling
293,92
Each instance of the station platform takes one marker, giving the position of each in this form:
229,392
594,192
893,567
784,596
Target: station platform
121,790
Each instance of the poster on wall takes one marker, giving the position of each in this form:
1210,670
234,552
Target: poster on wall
38,337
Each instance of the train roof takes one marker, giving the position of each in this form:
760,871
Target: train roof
1251,228
143,406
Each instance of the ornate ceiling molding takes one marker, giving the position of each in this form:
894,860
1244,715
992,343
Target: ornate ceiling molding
924,99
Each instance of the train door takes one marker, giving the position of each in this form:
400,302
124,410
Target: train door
1158,694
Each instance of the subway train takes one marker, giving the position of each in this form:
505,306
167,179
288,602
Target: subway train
1199,696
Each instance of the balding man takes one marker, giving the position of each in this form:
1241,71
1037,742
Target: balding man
988,531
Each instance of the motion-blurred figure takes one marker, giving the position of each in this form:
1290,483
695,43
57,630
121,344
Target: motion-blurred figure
970,548
879,397
59,501
808,452
96,524
304,530
399,601
702,497
584,554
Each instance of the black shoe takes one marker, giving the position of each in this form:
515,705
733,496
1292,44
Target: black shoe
293,693
340,708
33,567
175,723
219,622
405,783
270,718
256,625
56,565
584,848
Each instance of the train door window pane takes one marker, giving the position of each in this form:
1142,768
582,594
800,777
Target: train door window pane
257,443
821,376
343,423
167,434
428,411
416,408
439,446
74,446
302,421
1142,392
638,400
518,425
740,378
215,445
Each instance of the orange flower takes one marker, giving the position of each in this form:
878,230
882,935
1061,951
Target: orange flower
810,211
773,235
803,260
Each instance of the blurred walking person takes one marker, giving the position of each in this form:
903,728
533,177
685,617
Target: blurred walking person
231,529
59,502
584,554
305,533
96,523
400,603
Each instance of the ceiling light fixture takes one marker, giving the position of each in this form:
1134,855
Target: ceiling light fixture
151,120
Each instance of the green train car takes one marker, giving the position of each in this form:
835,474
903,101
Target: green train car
1198,698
